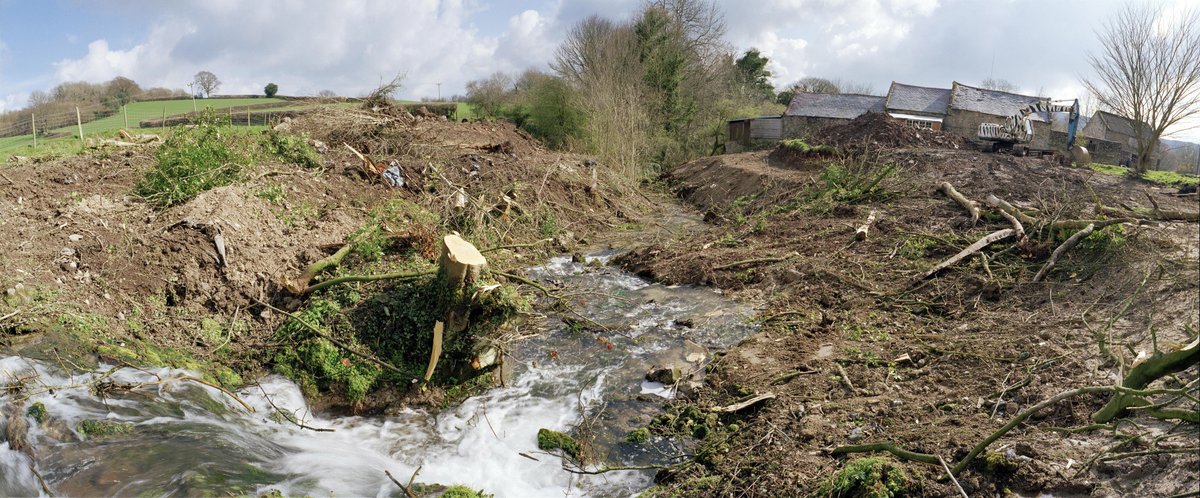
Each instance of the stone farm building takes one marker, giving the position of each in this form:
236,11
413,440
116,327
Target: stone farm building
919,106
1107,127
810,112
959,109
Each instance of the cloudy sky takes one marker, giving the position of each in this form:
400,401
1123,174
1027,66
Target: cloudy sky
349,46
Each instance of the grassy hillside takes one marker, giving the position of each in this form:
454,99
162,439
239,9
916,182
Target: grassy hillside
136,112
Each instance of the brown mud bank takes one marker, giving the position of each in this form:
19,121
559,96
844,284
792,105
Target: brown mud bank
861,343
201,284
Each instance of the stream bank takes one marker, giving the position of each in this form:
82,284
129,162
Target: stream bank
181,436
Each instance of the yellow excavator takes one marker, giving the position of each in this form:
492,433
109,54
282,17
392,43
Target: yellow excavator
1017,130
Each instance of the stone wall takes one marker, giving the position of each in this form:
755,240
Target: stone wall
966,124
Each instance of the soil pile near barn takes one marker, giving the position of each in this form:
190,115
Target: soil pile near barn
877,129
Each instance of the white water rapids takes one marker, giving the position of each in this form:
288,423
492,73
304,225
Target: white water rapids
190,439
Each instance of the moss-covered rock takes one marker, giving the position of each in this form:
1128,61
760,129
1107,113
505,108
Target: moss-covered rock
102,429
549,440
37,412
638,436
460,491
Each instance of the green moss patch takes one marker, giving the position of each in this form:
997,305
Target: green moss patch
102,429
549,440
37,412
873,477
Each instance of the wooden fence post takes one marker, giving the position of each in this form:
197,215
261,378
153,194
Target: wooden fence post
163,124
79,121
33,126
125,111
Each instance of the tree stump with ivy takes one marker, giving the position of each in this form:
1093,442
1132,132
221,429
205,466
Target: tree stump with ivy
460,266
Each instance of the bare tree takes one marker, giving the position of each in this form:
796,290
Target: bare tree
38,98
207,82
326,94
998,84
1148,71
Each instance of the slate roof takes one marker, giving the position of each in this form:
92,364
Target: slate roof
917,99
824,105
996,103
1116,124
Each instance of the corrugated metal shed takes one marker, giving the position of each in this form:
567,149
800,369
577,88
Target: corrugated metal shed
766,128
824,105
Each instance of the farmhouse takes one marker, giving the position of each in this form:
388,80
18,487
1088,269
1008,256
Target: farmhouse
959,109
1109,127
921,107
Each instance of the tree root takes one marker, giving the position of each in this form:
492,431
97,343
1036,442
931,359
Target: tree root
971,206
312,328
300,284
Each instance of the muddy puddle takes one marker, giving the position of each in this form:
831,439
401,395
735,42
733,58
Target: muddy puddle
175,436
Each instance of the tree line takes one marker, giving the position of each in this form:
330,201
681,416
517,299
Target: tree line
645,93
56,108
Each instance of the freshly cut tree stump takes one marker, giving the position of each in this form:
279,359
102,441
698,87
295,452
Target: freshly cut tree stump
460,266
461,261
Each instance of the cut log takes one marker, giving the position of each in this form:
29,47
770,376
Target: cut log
1002,205
962,200
966,253
1144,372
861,233
1062,249
1149,214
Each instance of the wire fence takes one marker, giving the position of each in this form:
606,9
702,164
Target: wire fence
139,117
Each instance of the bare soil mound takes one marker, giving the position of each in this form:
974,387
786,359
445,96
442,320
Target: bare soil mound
877,129
86,255
855,353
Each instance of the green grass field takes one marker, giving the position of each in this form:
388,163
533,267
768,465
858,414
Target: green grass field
136,112
139,111
1161,177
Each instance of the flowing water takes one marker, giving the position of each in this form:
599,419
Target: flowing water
184,438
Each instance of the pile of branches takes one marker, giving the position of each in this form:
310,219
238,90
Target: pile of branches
1019,219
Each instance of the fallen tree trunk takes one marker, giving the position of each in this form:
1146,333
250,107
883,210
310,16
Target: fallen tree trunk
968,252
861,233
962,200
1149,214
1142,374
1062,249
1003,206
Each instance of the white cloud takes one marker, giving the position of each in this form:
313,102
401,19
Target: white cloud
305,47
13,101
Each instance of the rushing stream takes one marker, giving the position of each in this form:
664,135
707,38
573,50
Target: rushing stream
184,438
